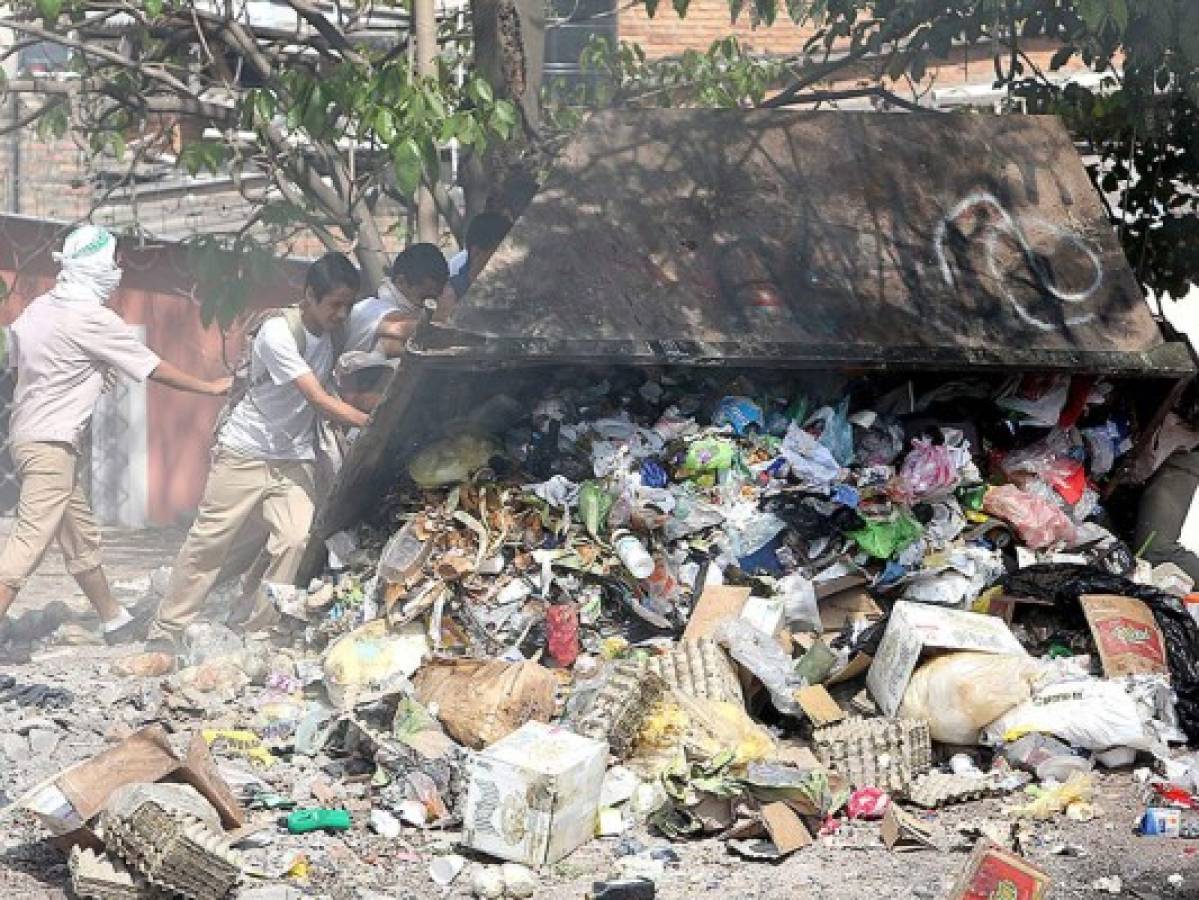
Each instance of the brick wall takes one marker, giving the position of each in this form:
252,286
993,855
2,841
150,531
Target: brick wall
708,21
52,177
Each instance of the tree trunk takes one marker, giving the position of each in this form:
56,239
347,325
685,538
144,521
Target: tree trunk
424,16
509,40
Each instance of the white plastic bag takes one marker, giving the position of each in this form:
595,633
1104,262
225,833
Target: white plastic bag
959,694
799,603
762,655
1091,714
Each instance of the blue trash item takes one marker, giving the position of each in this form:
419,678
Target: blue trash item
653,473
740,412
837,435
847,495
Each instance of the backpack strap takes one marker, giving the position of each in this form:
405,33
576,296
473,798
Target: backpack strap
299,334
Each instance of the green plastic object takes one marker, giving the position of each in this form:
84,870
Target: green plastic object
594,505
709,455
972,497
303,821
882,540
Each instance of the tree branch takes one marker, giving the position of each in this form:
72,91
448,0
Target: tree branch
33,116
90,49
854,94
328,31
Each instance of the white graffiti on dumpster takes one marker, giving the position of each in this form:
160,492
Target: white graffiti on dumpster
1000,223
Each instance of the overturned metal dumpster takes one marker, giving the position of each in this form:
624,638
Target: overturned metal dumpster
821,241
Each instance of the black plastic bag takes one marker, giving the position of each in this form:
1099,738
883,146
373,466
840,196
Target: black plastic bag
1065,584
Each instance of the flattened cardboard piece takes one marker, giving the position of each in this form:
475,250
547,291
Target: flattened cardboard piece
903,832
801,758
715,813
144,757
993,872
857,667
916,627
717,603
819,706
786,829
1127,635
844,600
831,586
200,771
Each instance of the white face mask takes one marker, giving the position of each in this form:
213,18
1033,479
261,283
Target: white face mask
89,273
87,283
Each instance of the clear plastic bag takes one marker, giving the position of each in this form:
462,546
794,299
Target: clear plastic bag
1038,522
809,460
800,609
928,472
837,434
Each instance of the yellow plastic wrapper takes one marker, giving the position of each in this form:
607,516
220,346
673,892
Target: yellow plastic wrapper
373,658
1073,798
717,726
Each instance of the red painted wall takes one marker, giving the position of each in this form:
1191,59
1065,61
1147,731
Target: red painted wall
155,292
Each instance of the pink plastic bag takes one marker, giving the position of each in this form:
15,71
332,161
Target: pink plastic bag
928,471
1038,522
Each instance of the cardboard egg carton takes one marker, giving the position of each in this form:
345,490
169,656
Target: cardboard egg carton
699,668
933,790
882,753
620,706
96,876
168,846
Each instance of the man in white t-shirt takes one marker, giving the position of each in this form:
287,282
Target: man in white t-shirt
265,457
383,323
65,346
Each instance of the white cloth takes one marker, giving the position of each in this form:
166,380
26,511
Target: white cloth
88,272
62,350
275,421
366,315
458,262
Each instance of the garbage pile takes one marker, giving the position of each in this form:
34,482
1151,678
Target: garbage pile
773,611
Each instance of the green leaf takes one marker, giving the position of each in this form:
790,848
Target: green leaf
49,10
483,90
4,290
264,105
1061,57
117,142
153,8
651,7
1093,13
385,126
1119,12
406,160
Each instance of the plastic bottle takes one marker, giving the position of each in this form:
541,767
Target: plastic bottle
403,554
634,555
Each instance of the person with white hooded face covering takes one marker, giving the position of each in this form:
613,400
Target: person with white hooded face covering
63,346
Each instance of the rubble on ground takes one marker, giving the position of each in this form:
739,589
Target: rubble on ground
780,613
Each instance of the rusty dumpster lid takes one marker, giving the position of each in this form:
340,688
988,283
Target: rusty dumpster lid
860,238
860,241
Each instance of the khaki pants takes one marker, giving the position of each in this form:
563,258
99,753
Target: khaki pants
52,505
281,492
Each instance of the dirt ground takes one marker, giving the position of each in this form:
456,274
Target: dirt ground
34,744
